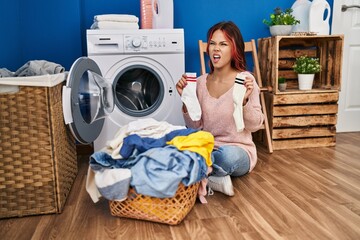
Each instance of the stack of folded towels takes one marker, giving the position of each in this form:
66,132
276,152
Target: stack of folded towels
115,21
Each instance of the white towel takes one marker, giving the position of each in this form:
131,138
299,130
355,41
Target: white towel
116,18
91,187
114,25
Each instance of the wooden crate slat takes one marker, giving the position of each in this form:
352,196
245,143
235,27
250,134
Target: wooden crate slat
295,53
292,110
286,63
286,133
304,143
288,74
329,77
303,121
326,60
337,64
264,60
306,98
292,84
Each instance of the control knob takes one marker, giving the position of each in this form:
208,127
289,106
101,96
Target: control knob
136,42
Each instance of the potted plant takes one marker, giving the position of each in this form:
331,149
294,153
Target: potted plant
306,67
282,83
281,22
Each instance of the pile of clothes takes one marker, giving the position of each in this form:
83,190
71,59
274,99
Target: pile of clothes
29,69
153,158
34,68
115,21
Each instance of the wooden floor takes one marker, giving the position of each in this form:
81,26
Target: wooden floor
309,193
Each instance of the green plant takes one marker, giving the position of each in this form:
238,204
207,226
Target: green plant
281,80
307,65
280,17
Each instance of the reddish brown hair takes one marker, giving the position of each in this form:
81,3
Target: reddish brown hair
233,35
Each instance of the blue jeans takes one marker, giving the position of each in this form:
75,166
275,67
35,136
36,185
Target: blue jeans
230,160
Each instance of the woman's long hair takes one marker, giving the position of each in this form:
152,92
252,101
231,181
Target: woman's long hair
233,35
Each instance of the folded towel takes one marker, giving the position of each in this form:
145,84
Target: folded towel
39,67
114,25
116,18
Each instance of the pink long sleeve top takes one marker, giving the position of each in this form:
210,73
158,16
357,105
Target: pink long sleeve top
217,118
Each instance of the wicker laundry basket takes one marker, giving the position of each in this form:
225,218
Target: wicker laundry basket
38,162
163,210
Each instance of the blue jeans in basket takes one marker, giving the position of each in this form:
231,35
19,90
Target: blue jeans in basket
230,160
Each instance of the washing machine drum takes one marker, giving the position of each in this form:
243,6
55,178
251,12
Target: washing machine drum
138,91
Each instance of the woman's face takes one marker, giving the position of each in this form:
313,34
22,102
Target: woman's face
219,50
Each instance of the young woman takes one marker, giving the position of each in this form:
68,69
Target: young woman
230,106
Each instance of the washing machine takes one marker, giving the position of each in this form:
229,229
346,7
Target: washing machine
127,75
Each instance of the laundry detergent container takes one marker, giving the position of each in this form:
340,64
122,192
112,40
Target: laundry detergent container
38,163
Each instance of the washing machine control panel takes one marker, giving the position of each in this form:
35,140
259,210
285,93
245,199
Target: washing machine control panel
153,43
134,41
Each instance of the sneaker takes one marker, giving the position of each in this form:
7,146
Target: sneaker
221,184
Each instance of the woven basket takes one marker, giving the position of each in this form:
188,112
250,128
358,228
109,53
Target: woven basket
163,210
38,162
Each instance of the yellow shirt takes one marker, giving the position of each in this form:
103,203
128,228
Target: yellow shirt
201,142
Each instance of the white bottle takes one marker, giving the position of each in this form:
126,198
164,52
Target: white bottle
319,16
301,12
163,13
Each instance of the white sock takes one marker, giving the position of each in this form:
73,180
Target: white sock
238,97
189,97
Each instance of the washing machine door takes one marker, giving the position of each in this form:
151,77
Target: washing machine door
87,100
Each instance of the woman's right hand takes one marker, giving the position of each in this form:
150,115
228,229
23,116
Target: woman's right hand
181,84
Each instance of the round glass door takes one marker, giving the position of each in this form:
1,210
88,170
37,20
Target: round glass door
87,99
139,91
95,97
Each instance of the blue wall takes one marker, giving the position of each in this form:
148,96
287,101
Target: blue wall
55,30
10,53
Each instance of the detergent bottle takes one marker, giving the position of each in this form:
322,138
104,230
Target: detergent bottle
319,15
163,13
301,12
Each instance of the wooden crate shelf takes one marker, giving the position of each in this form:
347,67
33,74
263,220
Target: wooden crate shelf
302,120
298,118
278,54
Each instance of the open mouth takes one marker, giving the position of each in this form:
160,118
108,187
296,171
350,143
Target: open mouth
216,58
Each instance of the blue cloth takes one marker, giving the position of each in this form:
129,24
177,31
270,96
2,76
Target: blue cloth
134,141
103,160
156,172
159,171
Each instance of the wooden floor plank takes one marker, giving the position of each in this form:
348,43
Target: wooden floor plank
309,193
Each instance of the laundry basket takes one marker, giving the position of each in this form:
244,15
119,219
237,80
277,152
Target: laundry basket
163,210
38,162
